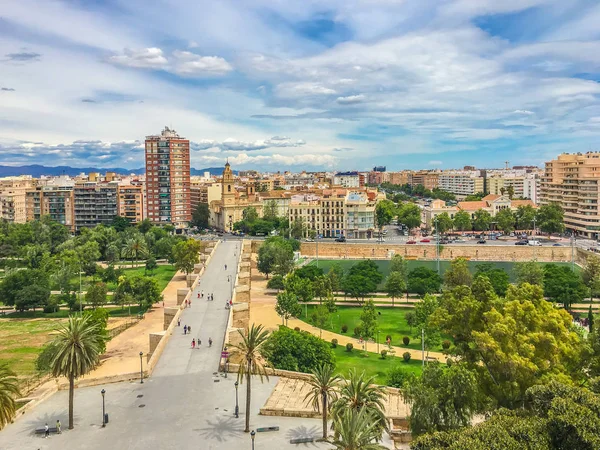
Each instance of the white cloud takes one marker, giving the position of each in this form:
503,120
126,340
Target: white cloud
523,112
188,63
146,58
350,99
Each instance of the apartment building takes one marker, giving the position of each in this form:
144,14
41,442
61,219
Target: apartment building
461,182
429,179
377,177
168,178
347,179
130,202
53,198
13,192
572,181
94,203
203,192
399,178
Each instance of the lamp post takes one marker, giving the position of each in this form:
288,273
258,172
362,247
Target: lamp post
103,413
437,244
80,291
141,369
252,435
237,408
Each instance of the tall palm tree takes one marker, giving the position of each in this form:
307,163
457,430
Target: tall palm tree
8,391
135,247
252,363
78,346
356,430
359,392
323,391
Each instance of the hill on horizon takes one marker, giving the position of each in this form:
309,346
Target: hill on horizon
37,170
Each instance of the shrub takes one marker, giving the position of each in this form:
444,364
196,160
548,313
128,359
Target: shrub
276,282
50,308
334,343
406,356
446,344
357,331
75,306
406,340
349,347
388,338
396,377
296,328
344,328
383,354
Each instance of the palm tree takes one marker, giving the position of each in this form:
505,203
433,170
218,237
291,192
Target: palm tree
252,363
135,247
356,430
323,391
359,392
8,391
77,352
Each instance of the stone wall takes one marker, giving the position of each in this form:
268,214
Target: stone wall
239,315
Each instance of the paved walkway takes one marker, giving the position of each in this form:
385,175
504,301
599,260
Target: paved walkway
182,406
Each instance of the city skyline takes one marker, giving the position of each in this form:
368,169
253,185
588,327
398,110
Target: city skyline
317,85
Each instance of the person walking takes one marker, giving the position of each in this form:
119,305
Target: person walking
46,431
210,342
178,322
202,293
199,342
198,294
193,343
58,426
186,303
189,329
185,329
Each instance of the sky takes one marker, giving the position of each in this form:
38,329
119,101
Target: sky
300,85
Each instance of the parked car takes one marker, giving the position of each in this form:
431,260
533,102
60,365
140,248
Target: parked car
534,243
340,239
309,240
425,240
445,241
481,241
521,243
556,245
459,241
411,242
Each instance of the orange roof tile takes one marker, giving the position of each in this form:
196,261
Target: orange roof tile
472,206
491,197
517,203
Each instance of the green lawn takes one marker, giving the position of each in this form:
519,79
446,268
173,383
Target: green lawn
162,274
372,365
392,321
63,313
384,265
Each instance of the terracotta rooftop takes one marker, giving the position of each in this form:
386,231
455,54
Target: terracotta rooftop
491,197
517,203
472,206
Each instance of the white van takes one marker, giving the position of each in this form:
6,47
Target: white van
534,243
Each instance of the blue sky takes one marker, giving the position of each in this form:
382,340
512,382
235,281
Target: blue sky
276,84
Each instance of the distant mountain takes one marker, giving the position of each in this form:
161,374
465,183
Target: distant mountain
36,170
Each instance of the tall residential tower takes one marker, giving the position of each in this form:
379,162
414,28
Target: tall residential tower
168,179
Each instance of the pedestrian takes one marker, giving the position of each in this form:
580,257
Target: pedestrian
58,426
190,302
210,342
225,266
199,342
212,297
185,329
46,431
186,303
230,303
198,294
202,293
178,322
189,329
193,343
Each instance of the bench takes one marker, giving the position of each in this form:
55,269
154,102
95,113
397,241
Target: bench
305,440
262,430
43,430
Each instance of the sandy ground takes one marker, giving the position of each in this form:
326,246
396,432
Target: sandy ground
263,312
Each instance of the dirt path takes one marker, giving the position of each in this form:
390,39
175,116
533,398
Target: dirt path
263,312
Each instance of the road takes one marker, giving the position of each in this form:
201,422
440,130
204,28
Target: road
184,405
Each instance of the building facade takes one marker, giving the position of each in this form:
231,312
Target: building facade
168,179
53,200
461,182
347,179
94,203
131,203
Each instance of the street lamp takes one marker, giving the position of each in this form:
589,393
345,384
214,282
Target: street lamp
237,408
141,369
103,413
252,435
437,244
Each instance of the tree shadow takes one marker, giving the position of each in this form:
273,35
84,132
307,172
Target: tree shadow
304,432
222,429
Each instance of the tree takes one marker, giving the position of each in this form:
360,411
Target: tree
384,213
422,280
301,287
562,285
320,317
200,216
310,271
120,223
442,399
475,197
287,306
590,320
395,285
529,272
524,217
398,264
266,260
462,221
368,269
482,220
186,255
135,248
270,210
590,274
251,364
458,274
497,277
550,218
505,220
322,287
96,294
297,229
276,282
18,280
150,265
99,317
356,430
146,225
510,190
32,296
410,215
423,311
444,223
323,387
299,351
249,214
145,291
77,352
360,392
9,390
368,321
335,275
357,286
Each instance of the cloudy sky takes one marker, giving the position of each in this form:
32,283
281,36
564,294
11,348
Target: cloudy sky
283,84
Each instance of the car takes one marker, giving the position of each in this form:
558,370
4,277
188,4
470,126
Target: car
521,243
411,242
340,239
481,241
309,240
445,241
459,241
425,240
556,245
534,243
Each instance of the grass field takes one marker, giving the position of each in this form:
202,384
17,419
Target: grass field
384,265
392,321
372,365
63,313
